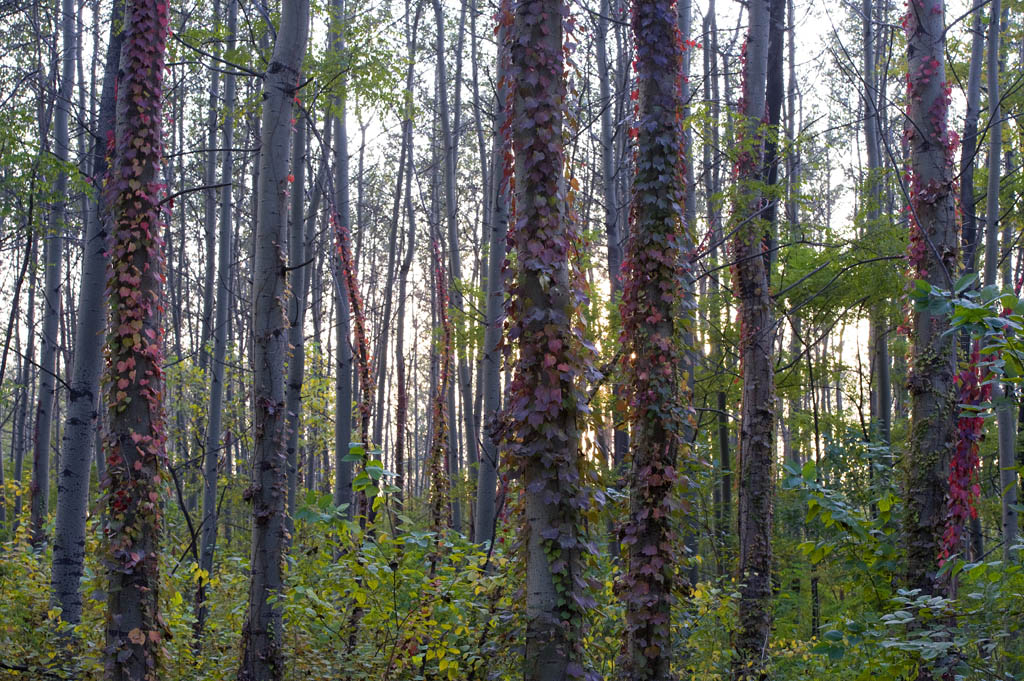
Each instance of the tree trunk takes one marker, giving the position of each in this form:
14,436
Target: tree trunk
1004,409
213,446
933,257
494,308
656,311
83,399
343,385
454,259
879,324
262,645
611,207
543,395
53,280
136,438
402,407
756,485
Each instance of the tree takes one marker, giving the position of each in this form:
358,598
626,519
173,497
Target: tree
755,349
136,438
498,236
53,280
262,655
83,398
1007,429
656,308
543,395
225,237
933,257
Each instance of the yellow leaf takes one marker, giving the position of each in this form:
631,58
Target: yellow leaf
136,636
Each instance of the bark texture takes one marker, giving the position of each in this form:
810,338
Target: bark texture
136,438
656,309
543,395
933,254
262,654
751,281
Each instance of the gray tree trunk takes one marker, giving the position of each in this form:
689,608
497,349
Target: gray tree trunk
213,445
882,398
343,386
83,399
53,281
262,645
756,355
454,258
1004,409
487,474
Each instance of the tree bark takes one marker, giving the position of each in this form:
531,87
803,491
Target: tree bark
262,645
487,476
343,385
756,485
136,439
656,311
1004,409
454,258
543,396
52,282
214,430
83,399
933,257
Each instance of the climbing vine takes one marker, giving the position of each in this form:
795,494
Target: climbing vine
655,308
349,280
440,485
543,325
932,259
134,443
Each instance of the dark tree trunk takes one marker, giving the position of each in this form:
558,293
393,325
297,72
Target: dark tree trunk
755,348
136,439
933,257
656,311
543,395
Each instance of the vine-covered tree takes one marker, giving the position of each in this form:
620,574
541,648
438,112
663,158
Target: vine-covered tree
655,310
134,380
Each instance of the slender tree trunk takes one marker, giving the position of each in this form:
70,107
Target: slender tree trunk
455,261
402,412
210,205
755,349
1004,410
297,276
83,399
53,280
933,257
494,307
213,446
879,324
262,645
611,208
136,437
343,386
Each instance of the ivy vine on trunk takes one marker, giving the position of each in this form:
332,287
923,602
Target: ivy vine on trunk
655,309
133,380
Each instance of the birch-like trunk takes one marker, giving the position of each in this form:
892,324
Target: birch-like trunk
262,644
83,399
